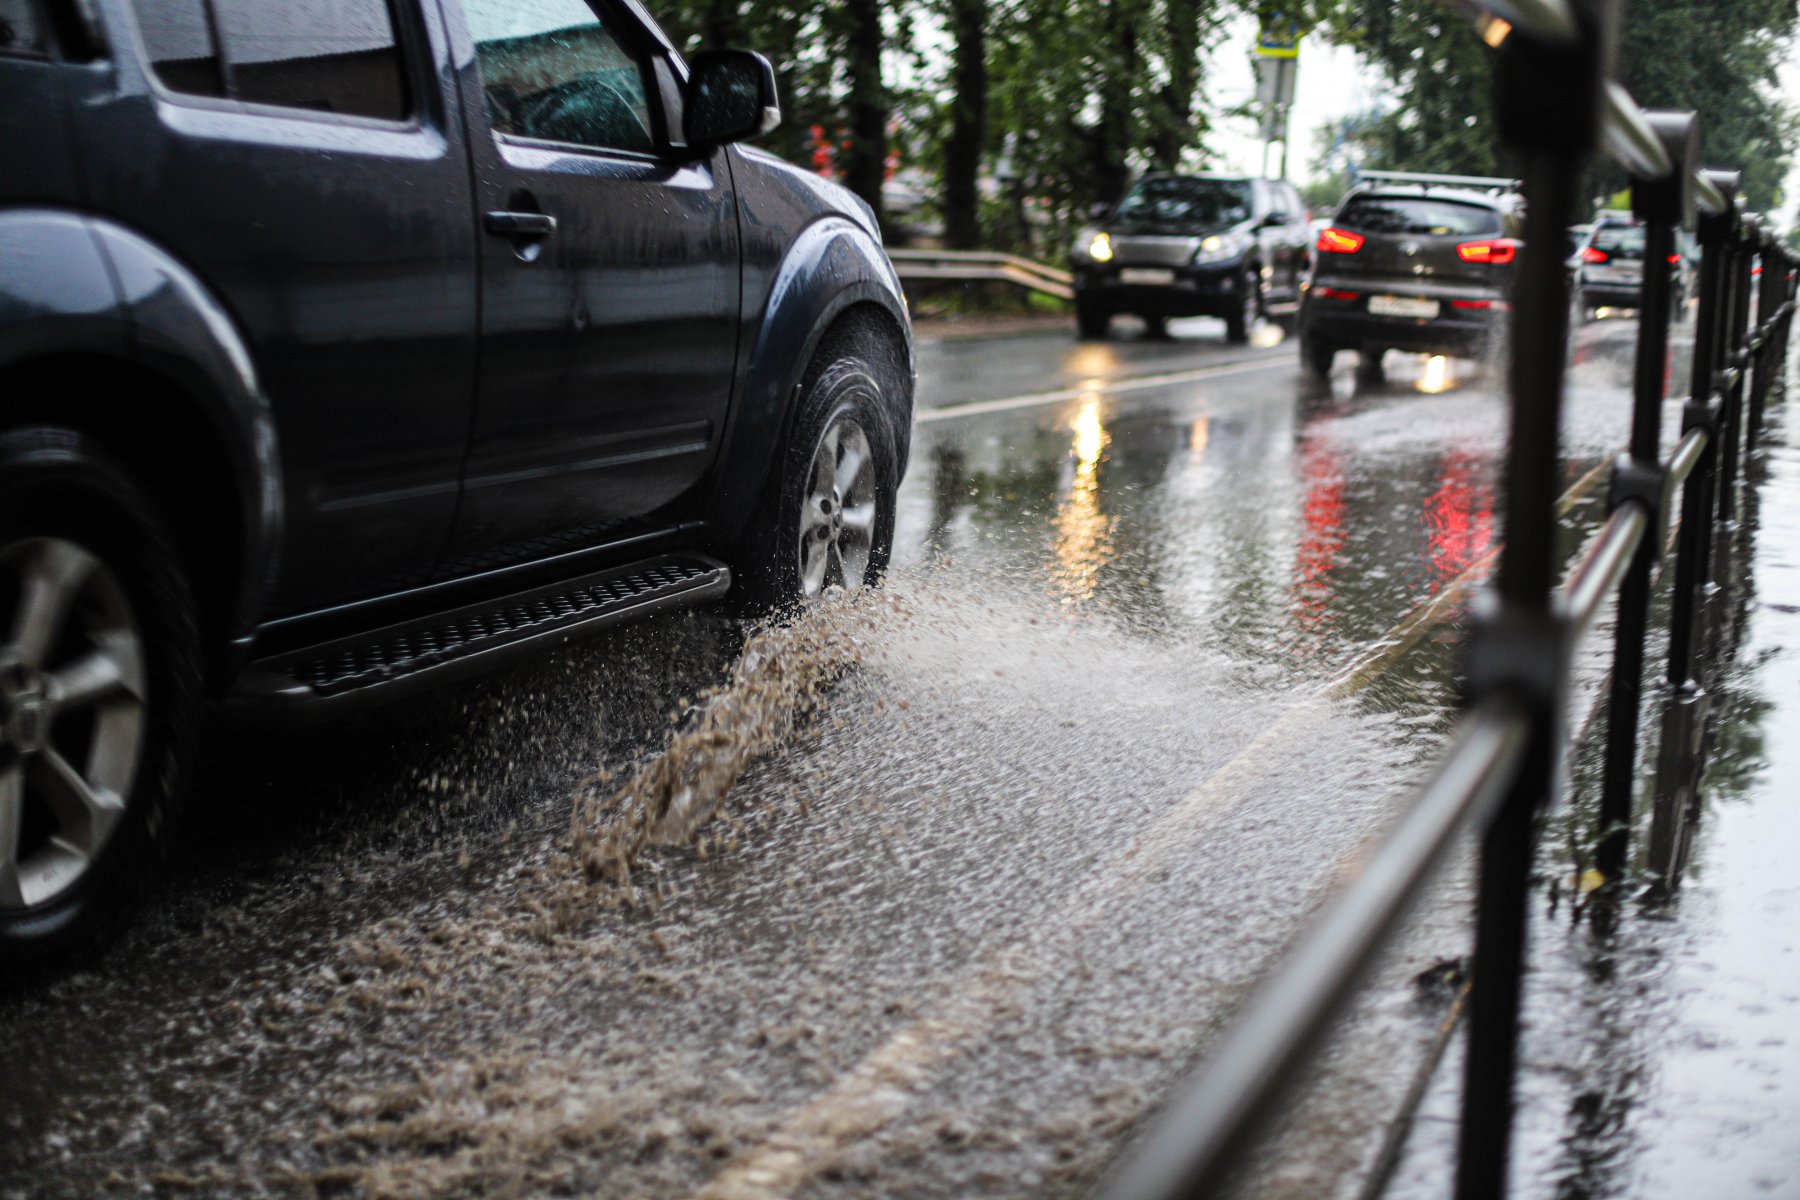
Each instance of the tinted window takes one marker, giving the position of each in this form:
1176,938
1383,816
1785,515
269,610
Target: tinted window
21,29
1416,214
552,69
178,39
1620,241
336,56
328,55
1185,202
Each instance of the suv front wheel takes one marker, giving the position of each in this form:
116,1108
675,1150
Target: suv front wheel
829,519
1243,318
99,687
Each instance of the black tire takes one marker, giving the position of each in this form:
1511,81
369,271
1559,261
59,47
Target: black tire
1091,321
1316,355
854,382
63,498
1370,370
1239,321
1156,328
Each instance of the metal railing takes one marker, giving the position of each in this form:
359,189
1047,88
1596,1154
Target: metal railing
971,266
1504,764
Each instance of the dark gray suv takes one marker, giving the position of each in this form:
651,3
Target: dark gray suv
348,348
1412,262
1192,246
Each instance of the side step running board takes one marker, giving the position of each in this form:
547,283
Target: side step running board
341,675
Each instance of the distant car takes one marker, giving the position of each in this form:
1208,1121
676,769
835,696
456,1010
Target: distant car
1192,246
348,350
1412,262
1610,265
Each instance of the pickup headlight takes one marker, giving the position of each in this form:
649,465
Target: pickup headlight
1096,245
1220,247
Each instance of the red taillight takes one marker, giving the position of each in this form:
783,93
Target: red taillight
1498,251
1331,293
1481,305
1674,260
1593,256
1340,241
1756,270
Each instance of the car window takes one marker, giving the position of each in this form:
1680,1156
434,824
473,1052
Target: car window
179,43
1417,214
334,56
1186,202
22,29
554,69
1620,241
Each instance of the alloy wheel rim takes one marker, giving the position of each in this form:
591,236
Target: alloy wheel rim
72,715
838,511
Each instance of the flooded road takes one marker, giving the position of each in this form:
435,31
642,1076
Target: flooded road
930,894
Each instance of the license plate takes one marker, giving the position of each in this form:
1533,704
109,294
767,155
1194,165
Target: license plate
1150,275
1402,306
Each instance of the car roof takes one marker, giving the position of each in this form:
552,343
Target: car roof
1413,191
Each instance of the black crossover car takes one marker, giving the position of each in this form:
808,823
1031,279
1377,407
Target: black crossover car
342,357
1192,246
1411,262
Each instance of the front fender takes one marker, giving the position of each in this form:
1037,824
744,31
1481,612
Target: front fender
77,285
834,265
181,331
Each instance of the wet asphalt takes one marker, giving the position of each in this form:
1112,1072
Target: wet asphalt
933,894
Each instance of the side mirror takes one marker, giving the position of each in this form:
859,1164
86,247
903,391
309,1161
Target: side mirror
1276,218
730,97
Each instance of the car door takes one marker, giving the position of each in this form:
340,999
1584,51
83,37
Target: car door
301,161
610,284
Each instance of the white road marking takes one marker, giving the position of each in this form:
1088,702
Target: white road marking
1107,387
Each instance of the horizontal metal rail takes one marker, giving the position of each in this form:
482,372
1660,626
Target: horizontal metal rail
1205,1130
1686,457
1601,569
981,265
1629,139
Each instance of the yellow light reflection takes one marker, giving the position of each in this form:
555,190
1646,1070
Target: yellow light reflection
1198,433
1437,378
1083,542
1494,30
1092,359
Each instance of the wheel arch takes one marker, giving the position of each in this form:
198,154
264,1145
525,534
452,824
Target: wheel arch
160,378
835,282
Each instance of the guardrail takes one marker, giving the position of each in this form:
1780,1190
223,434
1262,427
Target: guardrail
967,266
1555,109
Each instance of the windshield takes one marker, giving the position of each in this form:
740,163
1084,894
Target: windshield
1177,201
1417,214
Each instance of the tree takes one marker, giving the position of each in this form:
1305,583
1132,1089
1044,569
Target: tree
966,145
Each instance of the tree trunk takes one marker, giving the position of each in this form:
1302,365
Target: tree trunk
968,125
1112,138
721,28
866,164
1174,129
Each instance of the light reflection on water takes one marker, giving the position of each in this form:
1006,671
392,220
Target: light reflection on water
1083,532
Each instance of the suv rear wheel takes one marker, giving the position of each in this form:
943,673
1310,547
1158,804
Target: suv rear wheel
829,519
1316,355
1090,320
99,689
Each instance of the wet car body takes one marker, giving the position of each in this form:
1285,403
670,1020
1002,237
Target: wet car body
1192,246
1425,267
425,341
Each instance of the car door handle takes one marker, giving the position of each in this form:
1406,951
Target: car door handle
519,224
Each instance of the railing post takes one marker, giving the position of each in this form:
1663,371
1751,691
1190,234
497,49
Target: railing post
1693,552
1549,101
1638,477
1735,359
1769,298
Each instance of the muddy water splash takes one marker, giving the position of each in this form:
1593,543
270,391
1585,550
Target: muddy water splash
670,797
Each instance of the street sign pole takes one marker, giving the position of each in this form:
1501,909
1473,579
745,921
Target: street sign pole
1277,68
